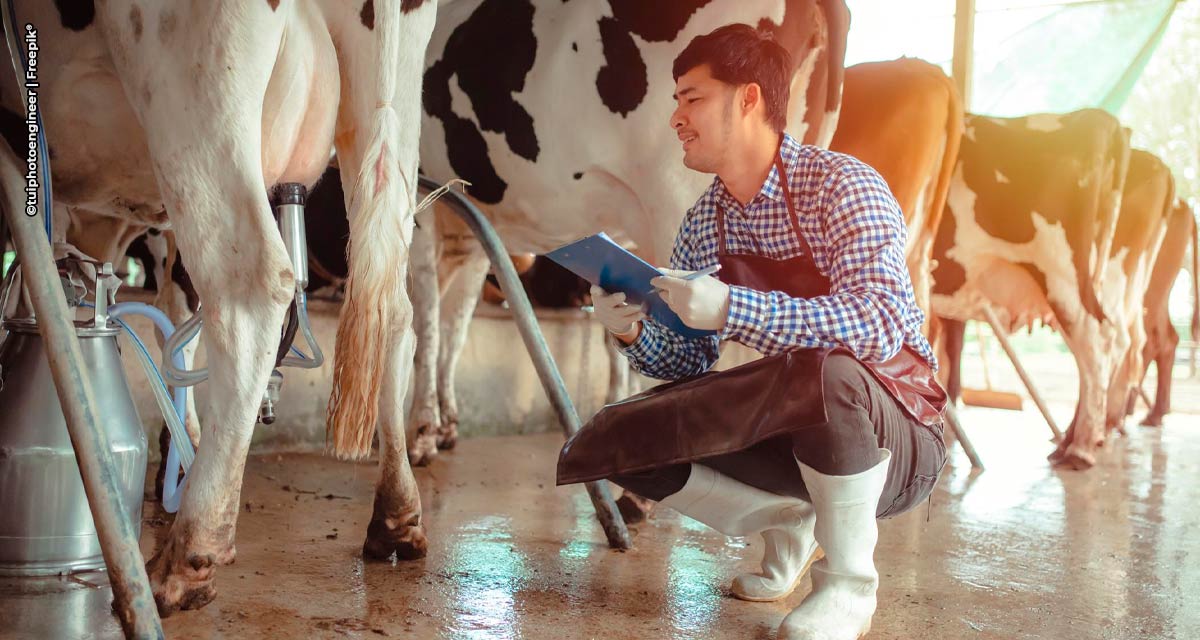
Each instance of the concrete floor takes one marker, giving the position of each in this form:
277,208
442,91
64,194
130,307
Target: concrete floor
1017,551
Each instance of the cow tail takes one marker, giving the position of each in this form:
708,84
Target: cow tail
376,306
955,123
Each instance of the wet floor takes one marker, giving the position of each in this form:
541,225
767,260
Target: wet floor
1018,551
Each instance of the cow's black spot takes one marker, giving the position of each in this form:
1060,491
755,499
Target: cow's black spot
180,277
76,15
410,5
655,21
574,46
622,82
949,276
367,15
578,175
490,54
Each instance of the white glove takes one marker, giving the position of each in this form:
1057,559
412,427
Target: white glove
702,303
613,312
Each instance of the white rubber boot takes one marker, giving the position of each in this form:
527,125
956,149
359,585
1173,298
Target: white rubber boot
738,509
844,582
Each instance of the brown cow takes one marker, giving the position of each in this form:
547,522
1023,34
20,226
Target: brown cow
1145,204
1161,337
905,118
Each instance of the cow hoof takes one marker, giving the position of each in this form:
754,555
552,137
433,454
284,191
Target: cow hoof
447,436
1072,459
634,508
182,582
424,448
407,541
1152,421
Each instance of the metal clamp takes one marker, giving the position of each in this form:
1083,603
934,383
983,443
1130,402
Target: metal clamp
107,284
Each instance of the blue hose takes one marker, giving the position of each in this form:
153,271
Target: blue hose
17,53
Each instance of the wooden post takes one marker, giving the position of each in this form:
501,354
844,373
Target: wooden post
964,46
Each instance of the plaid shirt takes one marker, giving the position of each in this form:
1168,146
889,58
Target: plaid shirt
857,234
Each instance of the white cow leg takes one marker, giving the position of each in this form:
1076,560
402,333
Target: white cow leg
1089,342
458,305
1119,393
424,421
396,526
242,315
209,167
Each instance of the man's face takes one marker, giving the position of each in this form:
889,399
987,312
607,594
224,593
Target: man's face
703,119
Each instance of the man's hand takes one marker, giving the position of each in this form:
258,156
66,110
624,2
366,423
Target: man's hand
702,303
618,316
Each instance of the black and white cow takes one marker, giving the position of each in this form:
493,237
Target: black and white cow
1028,232
556,113
192,110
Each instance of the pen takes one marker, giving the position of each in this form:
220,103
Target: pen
698,274
703,272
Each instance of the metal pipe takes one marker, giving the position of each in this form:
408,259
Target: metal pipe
1002,338
118,540
552,382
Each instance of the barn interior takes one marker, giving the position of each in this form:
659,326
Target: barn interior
1015,541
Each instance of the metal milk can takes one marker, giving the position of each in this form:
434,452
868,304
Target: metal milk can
45,524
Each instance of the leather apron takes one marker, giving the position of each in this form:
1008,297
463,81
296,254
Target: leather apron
723,412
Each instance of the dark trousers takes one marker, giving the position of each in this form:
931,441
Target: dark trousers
862,418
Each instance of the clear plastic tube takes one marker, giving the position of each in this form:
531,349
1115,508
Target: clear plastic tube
180,454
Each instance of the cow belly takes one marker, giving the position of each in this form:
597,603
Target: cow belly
101,159
300,106
1011,291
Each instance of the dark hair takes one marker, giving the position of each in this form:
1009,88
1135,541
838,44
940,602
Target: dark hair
739,54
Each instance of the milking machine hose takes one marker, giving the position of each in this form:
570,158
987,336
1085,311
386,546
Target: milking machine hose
20,69
301,360
180,453
552,382
187,331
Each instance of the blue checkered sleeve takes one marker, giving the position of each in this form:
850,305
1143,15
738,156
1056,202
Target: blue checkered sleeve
870,287
662,353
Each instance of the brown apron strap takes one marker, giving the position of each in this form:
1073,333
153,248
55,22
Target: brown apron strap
791,207
720,231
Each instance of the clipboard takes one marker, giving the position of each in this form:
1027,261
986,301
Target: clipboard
608,265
